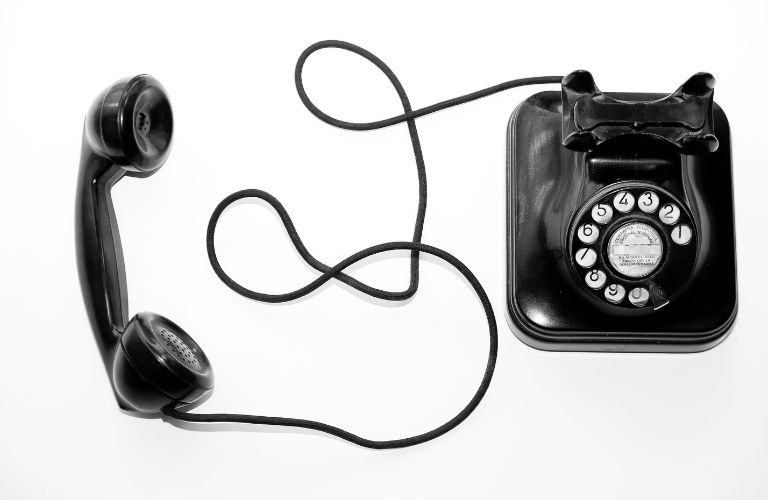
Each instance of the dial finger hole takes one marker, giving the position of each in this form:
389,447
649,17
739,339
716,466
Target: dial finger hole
588,233
682,234
669,213
586,257
602,213
624,201
638,297
648,202
615,293
595,279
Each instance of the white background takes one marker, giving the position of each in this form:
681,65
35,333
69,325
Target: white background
553,425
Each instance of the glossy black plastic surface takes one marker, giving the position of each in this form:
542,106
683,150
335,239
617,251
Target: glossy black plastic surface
683,118
128,131
549,183
158,363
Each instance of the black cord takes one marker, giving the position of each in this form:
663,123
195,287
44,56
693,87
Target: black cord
331,273
336,272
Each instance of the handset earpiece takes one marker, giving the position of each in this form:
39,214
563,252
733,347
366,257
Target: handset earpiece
131,123
152,363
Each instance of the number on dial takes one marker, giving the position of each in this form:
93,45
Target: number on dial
682,234
602,213
648,202
586,257
639,296
669,213
588,233
595,279
614,293
624,201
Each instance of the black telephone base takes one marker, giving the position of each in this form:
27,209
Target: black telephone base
573,283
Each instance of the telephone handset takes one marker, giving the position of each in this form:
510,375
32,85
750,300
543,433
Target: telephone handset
620,219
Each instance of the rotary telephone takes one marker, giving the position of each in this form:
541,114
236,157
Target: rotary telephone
620,233
620,219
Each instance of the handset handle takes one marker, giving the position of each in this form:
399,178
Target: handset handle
99,252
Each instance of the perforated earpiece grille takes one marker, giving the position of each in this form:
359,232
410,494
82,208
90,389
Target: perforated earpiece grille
178,349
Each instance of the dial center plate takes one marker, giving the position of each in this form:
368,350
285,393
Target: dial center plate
635,250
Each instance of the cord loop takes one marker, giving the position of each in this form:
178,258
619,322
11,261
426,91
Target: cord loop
336,271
